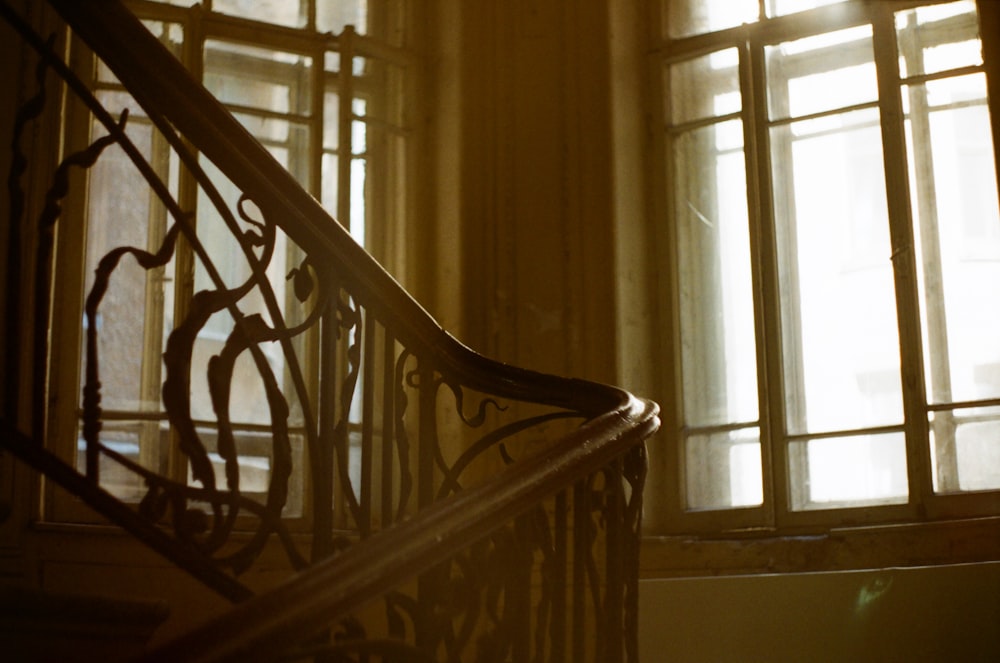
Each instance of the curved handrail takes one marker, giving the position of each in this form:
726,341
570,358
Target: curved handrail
259,629
125,45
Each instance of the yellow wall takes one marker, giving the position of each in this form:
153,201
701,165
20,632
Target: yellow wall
928,614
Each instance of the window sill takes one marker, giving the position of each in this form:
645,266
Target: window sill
838,549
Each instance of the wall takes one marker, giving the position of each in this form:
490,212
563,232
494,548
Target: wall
943,613
522,177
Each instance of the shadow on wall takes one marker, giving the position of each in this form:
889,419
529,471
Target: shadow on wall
932,614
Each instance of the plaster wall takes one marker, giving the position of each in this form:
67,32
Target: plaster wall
924,614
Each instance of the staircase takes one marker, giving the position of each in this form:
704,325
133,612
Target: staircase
453,508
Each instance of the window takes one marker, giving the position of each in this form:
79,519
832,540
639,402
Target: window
835,262
325,88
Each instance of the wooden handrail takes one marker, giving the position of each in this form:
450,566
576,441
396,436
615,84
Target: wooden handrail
261,628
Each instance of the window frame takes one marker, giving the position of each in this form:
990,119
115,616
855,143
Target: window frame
669,511
389,47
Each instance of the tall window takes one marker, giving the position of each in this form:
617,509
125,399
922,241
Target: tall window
324,86
835,249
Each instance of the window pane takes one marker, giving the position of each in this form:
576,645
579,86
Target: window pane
123,212
703,87
331,62
839,333
330,181
359,202
848,471
966,449
821,73
359,130
280,12
690,17
333,15
254,454
938,38
249,403
331,120
260,78
268,130
718,355
135,313
723,470
143,442
779,7
958,225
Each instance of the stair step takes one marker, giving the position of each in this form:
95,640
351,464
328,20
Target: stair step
37,626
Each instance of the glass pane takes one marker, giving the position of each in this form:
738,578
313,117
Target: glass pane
704,87
938,38
684,18
848,471
279,12
359,202
331,120
333,16
780,7
839,333
270,80
254,453
718,356
822,73
966,449
359,129
268,130
122,211
957,222
330,182
248,401
723,470
331,62
170,35
138,441
359,65
135,313
117,101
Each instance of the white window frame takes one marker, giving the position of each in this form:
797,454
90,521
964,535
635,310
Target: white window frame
775,512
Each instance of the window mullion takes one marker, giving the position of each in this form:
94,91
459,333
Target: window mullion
66,339
785,366
345,142
187,199
673,404
153,323
903,254
933,297
317,84
765,274
310,11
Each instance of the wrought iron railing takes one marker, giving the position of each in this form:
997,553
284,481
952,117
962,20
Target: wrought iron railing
451,507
